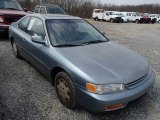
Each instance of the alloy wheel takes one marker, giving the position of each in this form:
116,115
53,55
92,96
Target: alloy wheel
63,90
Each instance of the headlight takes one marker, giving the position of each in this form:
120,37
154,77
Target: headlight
1,20
105,89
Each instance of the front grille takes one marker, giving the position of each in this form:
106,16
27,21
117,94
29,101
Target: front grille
10,19
118,18
136,83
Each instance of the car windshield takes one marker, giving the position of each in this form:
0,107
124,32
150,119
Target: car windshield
55,10
10,4
72,32
112,13
121,14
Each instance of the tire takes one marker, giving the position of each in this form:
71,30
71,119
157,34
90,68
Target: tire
122,21
159,21
111,20
65,90
96,18
137,21
15,50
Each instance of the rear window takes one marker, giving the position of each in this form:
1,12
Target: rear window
55,10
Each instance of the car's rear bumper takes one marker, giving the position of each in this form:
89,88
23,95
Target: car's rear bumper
99,103
4,28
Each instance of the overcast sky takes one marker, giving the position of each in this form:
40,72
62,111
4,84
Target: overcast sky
130,2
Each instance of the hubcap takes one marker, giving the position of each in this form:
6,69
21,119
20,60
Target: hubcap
63,90
14,48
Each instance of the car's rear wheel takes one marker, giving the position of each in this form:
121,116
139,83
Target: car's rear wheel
159,21
15,50
65,90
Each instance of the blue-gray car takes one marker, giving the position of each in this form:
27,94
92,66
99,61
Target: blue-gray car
85,67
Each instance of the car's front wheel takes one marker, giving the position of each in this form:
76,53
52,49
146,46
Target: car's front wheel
15,50
111,20
65,90
137,21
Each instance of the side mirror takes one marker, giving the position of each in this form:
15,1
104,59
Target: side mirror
25,9
38,39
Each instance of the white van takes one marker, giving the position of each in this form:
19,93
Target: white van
98,14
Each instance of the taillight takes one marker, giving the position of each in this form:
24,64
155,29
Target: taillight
1,20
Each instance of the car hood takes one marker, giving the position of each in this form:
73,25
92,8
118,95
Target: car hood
12,12
106,63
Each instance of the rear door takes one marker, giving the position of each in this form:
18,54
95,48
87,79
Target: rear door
21,32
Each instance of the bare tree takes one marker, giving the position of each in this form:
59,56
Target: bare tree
84,8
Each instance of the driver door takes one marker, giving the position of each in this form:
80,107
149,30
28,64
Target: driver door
33,50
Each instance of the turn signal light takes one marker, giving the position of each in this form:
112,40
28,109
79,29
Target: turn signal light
91,87
1,20
116,106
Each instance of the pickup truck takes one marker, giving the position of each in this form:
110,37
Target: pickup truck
48,9
111,16
154,17
10,11
138,17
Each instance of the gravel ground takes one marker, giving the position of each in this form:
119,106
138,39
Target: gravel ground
26,95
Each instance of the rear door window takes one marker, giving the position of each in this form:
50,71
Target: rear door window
23,24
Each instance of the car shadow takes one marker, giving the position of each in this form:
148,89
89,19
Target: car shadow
3,36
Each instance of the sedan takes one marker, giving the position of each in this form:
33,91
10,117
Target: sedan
86,68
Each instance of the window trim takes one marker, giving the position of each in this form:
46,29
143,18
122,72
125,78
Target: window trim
42,23
21,21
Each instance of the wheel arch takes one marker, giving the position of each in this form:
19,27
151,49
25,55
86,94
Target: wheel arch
56,70
11,39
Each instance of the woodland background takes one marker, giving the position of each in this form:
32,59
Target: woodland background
84,8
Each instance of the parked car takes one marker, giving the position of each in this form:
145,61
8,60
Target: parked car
158,19
154,18
10,11
111,16
48,9
123,16
138,17
86,67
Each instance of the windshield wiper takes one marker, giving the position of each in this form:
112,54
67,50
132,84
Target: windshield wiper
67,45
94,42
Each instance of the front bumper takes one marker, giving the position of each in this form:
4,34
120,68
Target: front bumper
4,28
117,19
98,103
145,20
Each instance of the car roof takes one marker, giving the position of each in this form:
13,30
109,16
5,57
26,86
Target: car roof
54,16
